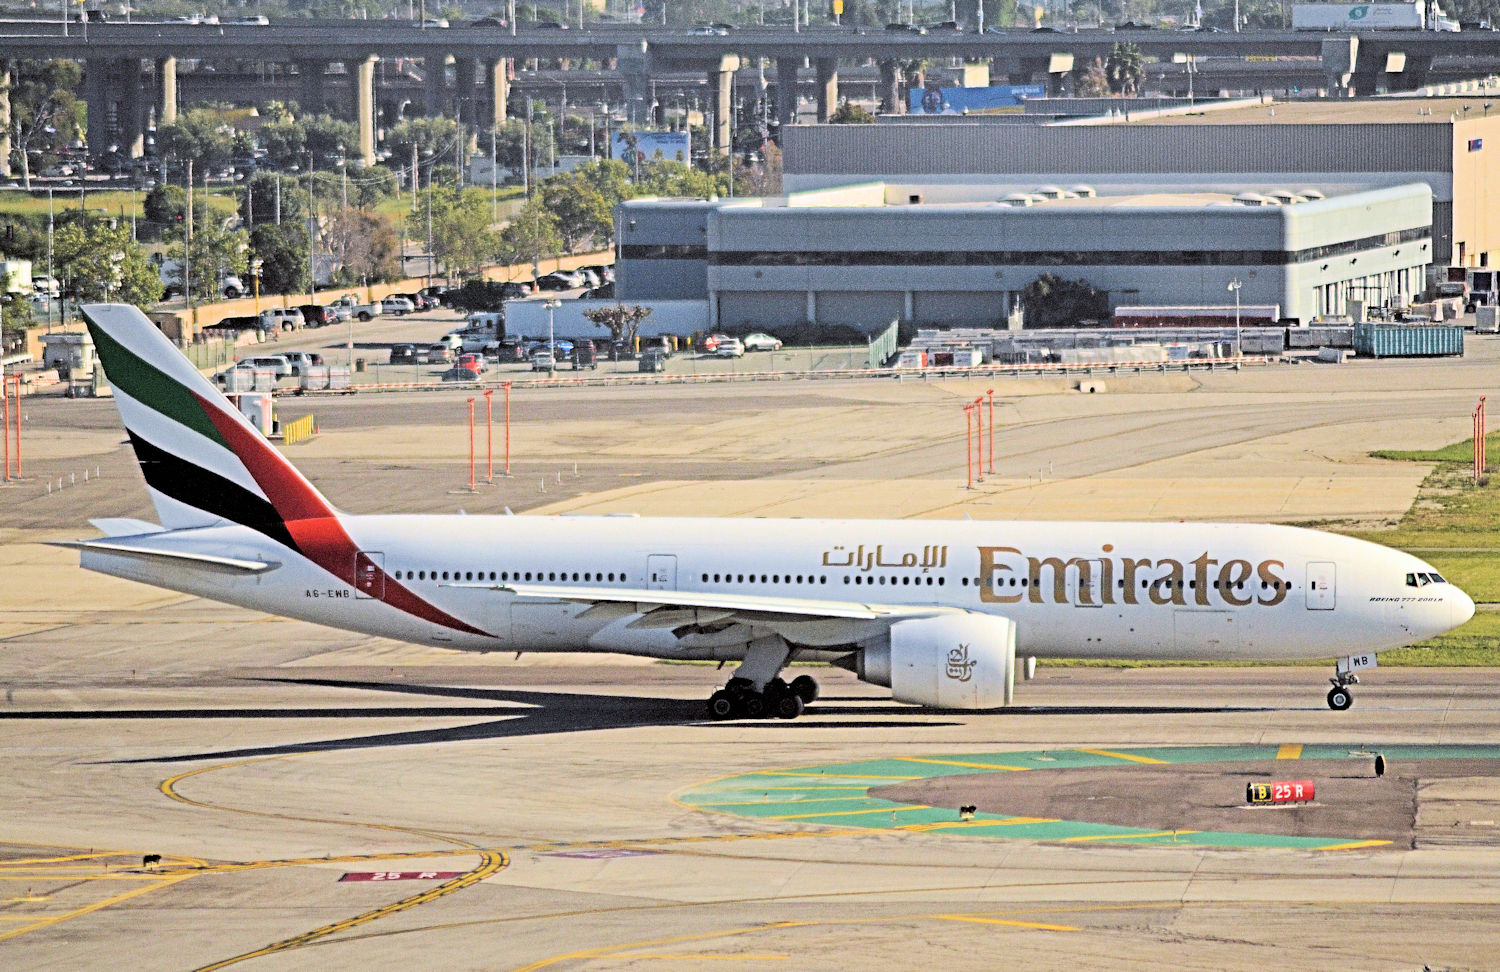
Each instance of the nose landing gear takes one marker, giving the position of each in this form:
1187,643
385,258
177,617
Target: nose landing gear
1339,697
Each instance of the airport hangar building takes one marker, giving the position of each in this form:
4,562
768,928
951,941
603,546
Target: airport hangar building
912,221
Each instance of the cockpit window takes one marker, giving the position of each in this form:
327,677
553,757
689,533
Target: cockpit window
1411,580
1437,578
1423,578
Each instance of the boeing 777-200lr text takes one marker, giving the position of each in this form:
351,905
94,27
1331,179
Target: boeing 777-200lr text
936,611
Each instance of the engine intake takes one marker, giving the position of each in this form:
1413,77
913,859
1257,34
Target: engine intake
953,661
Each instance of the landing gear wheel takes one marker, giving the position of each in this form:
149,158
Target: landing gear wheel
805,688
789,706
1339,698
721,705
753,706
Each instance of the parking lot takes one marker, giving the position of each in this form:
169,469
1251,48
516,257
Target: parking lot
365,348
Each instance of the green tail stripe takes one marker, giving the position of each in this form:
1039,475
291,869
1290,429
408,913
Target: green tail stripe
148,385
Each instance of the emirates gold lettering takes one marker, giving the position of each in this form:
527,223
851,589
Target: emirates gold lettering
1010,576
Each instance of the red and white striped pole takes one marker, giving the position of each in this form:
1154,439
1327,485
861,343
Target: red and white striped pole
489,436
506,386
472,486
991,394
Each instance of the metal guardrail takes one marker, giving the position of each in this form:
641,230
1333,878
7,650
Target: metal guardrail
898,374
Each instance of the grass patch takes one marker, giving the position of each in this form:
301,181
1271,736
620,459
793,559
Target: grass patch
1456,452
18,203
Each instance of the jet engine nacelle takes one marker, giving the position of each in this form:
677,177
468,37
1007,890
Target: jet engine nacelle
953,661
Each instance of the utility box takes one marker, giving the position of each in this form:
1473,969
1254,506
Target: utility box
69,351
1487,319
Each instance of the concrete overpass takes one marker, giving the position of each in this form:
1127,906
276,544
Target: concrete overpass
131,69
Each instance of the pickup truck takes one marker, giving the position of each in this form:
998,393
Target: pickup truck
362,311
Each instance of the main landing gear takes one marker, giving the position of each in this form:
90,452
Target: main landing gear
739,700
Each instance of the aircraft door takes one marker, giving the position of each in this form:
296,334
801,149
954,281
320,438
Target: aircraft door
1321,587
1085,584
661,572
369,574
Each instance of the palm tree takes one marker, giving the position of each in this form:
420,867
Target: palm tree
1125,69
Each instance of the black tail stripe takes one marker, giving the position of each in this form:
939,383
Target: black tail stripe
201,489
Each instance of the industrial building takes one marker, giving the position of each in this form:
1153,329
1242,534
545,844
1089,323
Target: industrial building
1450,143
961,254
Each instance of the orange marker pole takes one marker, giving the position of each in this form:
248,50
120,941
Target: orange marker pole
489,436
472,487
506,386
991,393
5,406
969,444
17,381
979,436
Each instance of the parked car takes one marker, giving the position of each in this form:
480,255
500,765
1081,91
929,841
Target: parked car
316,315
652,361
285,318
584,356
398,306
302,360
759,341
453,340
515,288
712,341
340,312
437,292
506,352
907,28
404,354
558,280
706,30
418,301
277,364
364,312
604,271
730,348
542,360
590,278
658,344
45,285
460,372
439,354
473,360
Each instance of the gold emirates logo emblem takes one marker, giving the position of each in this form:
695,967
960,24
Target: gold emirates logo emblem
960,666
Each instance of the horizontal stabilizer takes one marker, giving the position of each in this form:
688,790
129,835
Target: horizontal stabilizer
125,527
180,557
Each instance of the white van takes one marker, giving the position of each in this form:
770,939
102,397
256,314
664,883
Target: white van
285,318
277,364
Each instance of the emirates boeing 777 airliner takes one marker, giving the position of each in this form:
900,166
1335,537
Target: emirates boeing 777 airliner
936,611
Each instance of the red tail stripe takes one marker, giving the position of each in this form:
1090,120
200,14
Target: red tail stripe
312,523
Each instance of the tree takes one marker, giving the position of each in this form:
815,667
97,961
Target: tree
165,205
509,137
623,322
330,138
285,143
261,202
462,237
1125,69
1093,82
583,202
15,318
45,115
1050,301
364,245
848,113
282,251
199,135
97,261
214,252
433,138
532,234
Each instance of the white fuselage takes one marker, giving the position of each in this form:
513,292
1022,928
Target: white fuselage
1108,590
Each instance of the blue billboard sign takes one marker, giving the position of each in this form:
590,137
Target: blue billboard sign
956,101
644,146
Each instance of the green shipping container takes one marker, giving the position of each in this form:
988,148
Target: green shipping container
1408,340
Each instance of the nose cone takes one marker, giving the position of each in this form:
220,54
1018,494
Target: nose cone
1462,607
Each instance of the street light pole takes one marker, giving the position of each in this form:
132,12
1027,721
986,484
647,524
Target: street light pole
1235,285
552,304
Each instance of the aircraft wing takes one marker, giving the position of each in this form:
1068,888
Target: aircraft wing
837,620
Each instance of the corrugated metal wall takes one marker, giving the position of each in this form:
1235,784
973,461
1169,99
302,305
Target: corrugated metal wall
976,150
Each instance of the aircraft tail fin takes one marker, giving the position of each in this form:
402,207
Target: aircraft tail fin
203,461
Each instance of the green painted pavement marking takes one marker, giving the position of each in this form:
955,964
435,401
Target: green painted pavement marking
837,794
